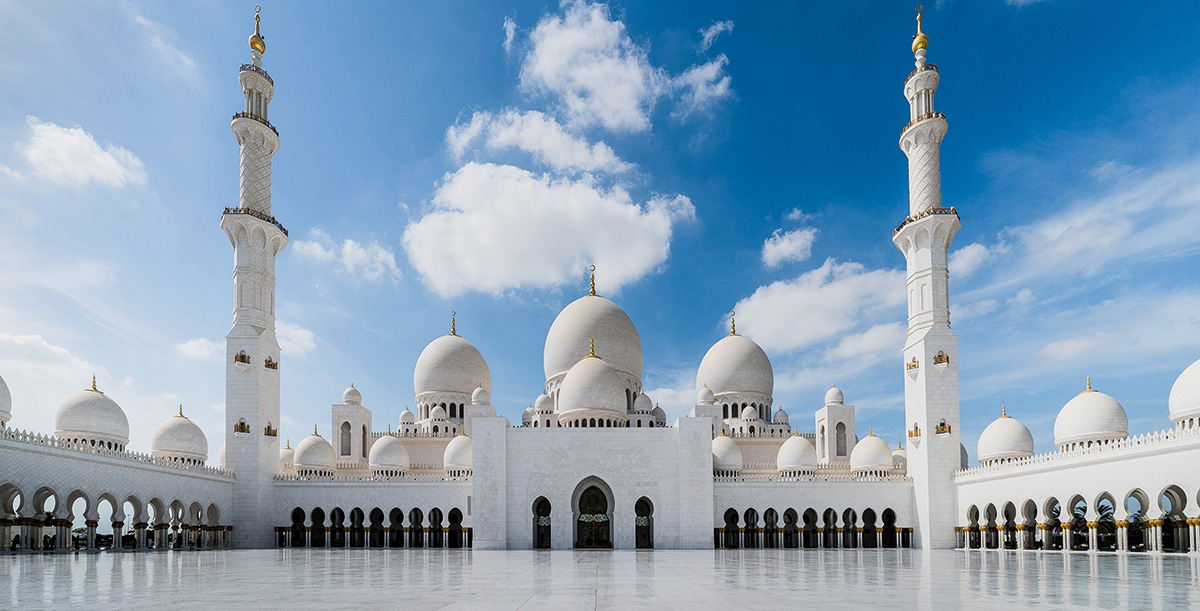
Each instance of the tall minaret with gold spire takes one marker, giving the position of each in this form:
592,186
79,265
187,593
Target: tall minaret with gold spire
931,350
252,352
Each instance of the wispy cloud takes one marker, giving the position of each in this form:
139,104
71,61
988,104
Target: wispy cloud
370,261
709,35
510,30
178,62
200,349
538,134
71,156
294,340
795,245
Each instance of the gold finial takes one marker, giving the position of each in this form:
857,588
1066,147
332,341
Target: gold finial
453,330
1089,384
93,388
389,428
592,349
289,444
869,432
1003,411
722,432
256,39
315,430
920,41
899,444
463,432
593,292
181,411
732,324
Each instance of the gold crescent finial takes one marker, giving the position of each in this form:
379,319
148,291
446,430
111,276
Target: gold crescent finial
389,428
94,389
453,331
256,40
899,444
593,291
920,41
732,323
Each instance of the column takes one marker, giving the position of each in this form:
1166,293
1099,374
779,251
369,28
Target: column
1066,536
91,533
1092,539
139,531
1122,536
1047,536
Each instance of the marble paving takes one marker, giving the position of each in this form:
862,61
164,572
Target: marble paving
723,579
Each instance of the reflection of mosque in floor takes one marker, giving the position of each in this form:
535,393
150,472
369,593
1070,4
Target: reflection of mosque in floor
593,463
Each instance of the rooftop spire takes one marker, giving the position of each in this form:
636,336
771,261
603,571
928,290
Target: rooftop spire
315,430
592,349
1088,389
732,323
289,444
1003,411
256,39
181,411
593,291
870,433
93,388
920,41
453,331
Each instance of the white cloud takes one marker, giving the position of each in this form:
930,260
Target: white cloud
588,63
200,349
177,61
820,304
370,262
711,33
1074,347
703,85
965,260
796,214
973,309
294,340
1022,296
510,30
498,227
538,134
71,156
795,245
879,340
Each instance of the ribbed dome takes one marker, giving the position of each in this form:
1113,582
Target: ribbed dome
437,413
749,413
871,454
643,403
313,453
5,402
458,454
451,364
179,437
592,385
1184,401
544,404
407,417
480,396
834,396
726,454
587,318
221,458
781,417
287,458
388,454
91,415
736,365
659,415
352,396
705,396
1004,438
1090,416
796,454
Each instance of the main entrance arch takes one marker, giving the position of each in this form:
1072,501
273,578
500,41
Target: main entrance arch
592,504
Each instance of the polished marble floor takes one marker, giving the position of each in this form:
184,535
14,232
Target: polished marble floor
560,580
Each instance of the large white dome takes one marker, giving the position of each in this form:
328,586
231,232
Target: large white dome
1184,400
313,453
796,454
736,365
179,437
388,454
588,318
451,364
457,456
91,415
727,456
5,402
1004,438
592,384
1090,416
871,454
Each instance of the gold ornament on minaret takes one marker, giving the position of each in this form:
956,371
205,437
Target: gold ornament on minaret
920,41
256,39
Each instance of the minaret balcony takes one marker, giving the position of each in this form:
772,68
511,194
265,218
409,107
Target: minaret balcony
923,68
928,115
253,68
250,115
929,212
258,215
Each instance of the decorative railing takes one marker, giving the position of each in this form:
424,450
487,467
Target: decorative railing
767,431
420,477
241,427
928,115
941,429
260,216
922,68
920,215
253,68
814,478
417,434
270,432
240,357
250,115
1098,450
84,447
911,365
941,358
271,364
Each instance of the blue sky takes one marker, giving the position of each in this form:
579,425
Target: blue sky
478,157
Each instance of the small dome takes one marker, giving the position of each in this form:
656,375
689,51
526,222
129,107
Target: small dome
179,437
736,365
527,415
451,364
221,458
91,415
834,396
796,454
480,396
437,413
592,385
1184,401
643,404
705,396
726,454
1090,416
313,453
287,458
544,404
5,402
388,454
589,318
352,396
1004,438
749,413
900,451
781,417
407,417
458,454
660,416
871,454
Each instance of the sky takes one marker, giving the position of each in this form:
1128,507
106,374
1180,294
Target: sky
707,157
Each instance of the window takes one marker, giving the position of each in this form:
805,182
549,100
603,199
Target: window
841,438
345,439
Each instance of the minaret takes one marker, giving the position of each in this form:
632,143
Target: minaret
252,353
931,351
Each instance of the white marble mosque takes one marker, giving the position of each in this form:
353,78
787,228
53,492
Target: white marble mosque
592,462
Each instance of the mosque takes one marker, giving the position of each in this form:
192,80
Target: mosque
593,463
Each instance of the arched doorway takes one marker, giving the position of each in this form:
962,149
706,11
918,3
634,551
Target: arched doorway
541,523
750,536
889,529
375,539
455,539
396,528
643,523
436,534
770,528
337,532
298,528
791,534
317,534
592,524
357,531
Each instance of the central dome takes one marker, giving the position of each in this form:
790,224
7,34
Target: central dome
451,364
736,365
587,318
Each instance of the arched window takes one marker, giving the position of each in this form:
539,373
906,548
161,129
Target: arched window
841,438
345,439
364,441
